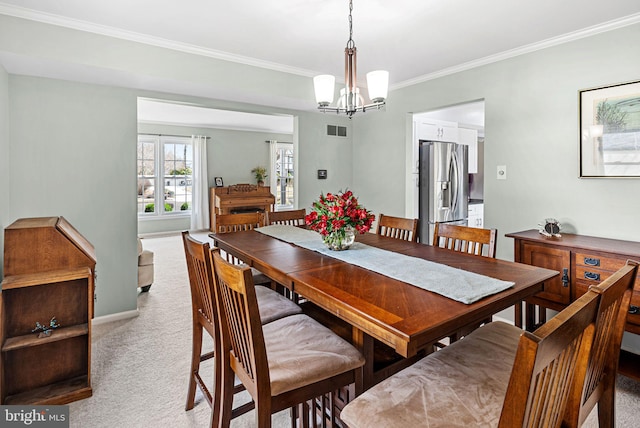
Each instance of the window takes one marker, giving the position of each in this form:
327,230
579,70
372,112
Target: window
164,163
282,169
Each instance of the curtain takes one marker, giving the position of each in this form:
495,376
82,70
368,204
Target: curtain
273,157
200,189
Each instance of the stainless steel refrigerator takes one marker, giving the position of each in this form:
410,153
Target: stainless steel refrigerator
443,186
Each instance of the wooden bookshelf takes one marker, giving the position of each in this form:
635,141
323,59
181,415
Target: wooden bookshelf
49,272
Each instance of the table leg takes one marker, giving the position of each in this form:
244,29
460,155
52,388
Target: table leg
364,343
518,314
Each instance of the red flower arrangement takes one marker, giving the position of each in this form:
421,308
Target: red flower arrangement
333,214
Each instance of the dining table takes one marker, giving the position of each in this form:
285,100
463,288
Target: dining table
405,317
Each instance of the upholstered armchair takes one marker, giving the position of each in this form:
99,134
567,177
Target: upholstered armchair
145,267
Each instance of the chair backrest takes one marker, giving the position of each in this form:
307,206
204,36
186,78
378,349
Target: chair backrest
398,228
200,280
241,330
291,218
470,240
550,366
226,223
615,298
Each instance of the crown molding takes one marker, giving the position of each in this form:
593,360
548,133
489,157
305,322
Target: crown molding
52,19
75,24
565,38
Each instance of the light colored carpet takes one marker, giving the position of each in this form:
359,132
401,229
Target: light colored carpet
140,366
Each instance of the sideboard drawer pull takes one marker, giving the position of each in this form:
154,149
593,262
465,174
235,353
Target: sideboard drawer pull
633,309
592,276
590,261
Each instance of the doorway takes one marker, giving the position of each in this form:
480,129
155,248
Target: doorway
464,124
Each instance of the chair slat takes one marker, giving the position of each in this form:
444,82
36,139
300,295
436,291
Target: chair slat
405,229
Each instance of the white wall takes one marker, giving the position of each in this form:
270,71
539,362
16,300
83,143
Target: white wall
5,178
531,125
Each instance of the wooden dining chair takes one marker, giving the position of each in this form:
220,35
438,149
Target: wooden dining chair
226,223
500,375
281,364
600,384
291,217
398,227
470,240
205,317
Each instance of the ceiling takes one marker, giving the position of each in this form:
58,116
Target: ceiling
415,40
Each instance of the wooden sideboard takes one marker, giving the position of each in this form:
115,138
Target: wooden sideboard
49,270
239,198
582,261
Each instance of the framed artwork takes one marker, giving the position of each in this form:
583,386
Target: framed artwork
610,131
219,182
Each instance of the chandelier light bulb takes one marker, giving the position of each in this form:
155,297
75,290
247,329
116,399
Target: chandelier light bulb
378,84
324,86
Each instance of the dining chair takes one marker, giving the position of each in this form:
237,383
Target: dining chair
204,317
600,384
291,217
281,364
470,240
226,223
398,227
500,375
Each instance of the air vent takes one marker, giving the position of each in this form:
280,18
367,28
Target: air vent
337,131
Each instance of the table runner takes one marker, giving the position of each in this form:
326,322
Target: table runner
457,284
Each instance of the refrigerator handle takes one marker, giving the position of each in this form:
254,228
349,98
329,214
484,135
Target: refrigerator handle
455,180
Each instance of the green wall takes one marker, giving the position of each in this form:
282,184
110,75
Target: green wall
5,177
531,126
73,149
231,154
73,152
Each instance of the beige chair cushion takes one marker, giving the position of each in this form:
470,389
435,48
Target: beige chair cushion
301,351
273,305
462,385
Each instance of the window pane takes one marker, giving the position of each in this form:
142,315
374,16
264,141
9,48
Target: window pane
178,168
284,177
164,163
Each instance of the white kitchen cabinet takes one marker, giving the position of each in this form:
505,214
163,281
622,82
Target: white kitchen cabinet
469,137
476,215
437,130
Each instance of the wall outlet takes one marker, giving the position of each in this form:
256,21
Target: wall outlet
501,172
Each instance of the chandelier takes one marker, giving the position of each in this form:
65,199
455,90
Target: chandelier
350,100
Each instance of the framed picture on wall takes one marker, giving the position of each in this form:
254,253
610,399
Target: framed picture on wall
610,131
219,182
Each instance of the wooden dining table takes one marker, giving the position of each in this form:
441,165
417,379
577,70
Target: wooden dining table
396,313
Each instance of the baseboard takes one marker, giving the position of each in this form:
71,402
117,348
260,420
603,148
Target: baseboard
170,233
115,317
495,318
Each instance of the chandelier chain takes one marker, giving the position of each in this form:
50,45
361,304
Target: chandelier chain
350,42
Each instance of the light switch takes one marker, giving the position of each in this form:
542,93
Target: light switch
501,172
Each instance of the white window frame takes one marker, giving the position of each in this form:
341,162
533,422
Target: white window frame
159,142
277,147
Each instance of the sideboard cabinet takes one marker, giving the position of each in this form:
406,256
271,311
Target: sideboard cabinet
581,261
49,270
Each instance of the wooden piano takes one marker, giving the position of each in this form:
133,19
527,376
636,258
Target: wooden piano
239,198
